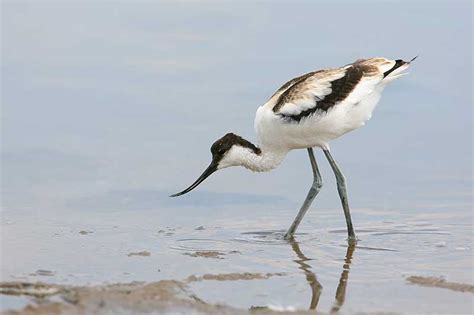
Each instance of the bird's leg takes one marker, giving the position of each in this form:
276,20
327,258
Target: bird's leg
313,191
341,188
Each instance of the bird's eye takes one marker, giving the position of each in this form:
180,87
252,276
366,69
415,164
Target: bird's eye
221,151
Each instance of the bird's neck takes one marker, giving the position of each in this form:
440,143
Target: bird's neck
259,159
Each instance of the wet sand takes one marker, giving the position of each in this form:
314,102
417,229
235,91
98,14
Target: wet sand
166,296
169,296
434,282
163,297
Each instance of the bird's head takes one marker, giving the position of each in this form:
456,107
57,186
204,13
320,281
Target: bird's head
230,150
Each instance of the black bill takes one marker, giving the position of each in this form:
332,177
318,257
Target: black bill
209,170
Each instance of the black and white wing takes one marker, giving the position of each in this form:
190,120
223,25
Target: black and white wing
319,91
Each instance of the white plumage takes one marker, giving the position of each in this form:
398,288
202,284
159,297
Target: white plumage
318,129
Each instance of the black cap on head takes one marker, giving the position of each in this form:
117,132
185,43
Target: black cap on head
224,144
218,150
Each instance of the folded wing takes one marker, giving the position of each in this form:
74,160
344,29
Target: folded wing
319,91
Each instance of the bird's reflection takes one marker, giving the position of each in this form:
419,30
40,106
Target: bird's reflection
316,287
341,288
310,276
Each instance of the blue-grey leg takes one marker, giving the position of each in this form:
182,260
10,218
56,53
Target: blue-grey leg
341,188
313,191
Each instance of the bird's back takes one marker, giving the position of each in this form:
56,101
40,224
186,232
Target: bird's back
314,108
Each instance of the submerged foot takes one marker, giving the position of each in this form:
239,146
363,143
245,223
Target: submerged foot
289,236
352,240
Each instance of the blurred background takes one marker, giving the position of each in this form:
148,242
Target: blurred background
99,97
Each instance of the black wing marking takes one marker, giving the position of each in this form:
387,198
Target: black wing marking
340,88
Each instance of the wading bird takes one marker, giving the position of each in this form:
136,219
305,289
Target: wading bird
306,112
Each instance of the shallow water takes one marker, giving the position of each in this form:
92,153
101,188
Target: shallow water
102,121
372,276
